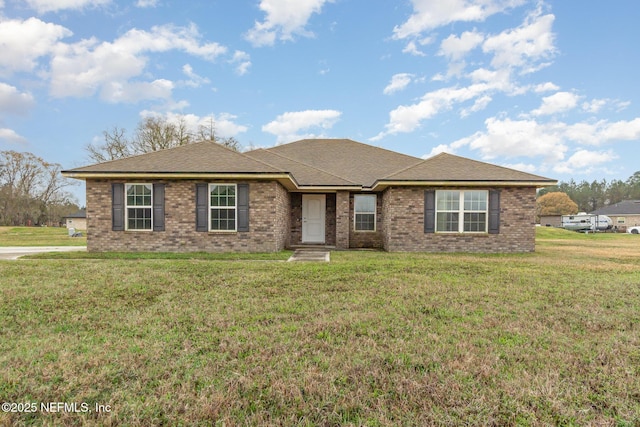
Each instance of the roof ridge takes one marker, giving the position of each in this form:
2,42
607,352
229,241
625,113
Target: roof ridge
307,165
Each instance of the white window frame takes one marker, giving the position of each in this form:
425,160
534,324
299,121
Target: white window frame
461,211
234,207
127,206
356,212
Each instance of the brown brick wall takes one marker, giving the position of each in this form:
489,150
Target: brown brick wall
403,224
366,239
268,225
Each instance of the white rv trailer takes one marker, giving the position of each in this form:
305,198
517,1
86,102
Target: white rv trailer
585,222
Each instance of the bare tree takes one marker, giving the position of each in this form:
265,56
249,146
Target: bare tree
29,186
115,146
153,134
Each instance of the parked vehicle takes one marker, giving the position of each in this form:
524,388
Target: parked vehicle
584,222
634,230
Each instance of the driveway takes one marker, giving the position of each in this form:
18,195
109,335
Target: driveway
15,252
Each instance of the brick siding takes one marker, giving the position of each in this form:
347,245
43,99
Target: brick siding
268,222
366,239
403,224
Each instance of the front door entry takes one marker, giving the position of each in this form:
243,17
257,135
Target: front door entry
313,218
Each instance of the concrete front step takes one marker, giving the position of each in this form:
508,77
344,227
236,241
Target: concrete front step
313,255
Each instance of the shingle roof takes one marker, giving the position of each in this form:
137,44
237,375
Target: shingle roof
314,162
353,161
448,167
625,207
305,175
201,157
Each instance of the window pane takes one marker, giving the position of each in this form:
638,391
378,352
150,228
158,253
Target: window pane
447,221
365,204
138,194
223,219
365,222
475,200
475,222
139,218
223,195
448,200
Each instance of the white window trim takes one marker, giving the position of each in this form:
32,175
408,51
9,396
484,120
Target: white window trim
235,208
126,207
375,213
461,211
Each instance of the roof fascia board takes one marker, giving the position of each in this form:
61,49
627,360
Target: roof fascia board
284,178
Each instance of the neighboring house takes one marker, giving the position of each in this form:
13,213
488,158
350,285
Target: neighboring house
623,214
77,220
333,192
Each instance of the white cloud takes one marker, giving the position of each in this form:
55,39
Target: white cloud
603,132
43,6
455,48
430,14
11,136
132,92
523,47
242,60
285,18
194,79
287,126
146,3
22,43
398,82
545,87
407,118
517,138
84,68
479,105
442,148
585,161
14,102
557,103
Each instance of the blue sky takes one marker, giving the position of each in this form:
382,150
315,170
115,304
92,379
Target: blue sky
545,87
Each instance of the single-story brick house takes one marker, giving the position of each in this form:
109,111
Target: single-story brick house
334,192
623,214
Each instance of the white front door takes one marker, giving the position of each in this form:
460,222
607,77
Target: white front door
313,212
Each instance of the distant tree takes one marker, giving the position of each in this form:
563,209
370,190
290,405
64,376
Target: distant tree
153,134
555,204
29,187
115,146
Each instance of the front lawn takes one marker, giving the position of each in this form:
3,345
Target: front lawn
376,339
39,236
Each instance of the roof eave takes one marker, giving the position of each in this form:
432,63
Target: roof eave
382,184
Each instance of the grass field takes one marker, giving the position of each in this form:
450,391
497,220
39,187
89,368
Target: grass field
373,339
39,236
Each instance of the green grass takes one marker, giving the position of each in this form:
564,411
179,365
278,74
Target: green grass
39,236
373,339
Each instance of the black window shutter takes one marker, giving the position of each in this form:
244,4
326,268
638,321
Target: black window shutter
158,207
117,207
494,211
243,207
202,206
430,211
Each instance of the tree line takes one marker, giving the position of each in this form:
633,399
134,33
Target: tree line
32,191
590,196
153,134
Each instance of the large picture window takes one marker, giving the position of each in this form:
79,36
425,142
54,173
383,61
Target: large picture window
462,211
364,212
222,207
139,206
